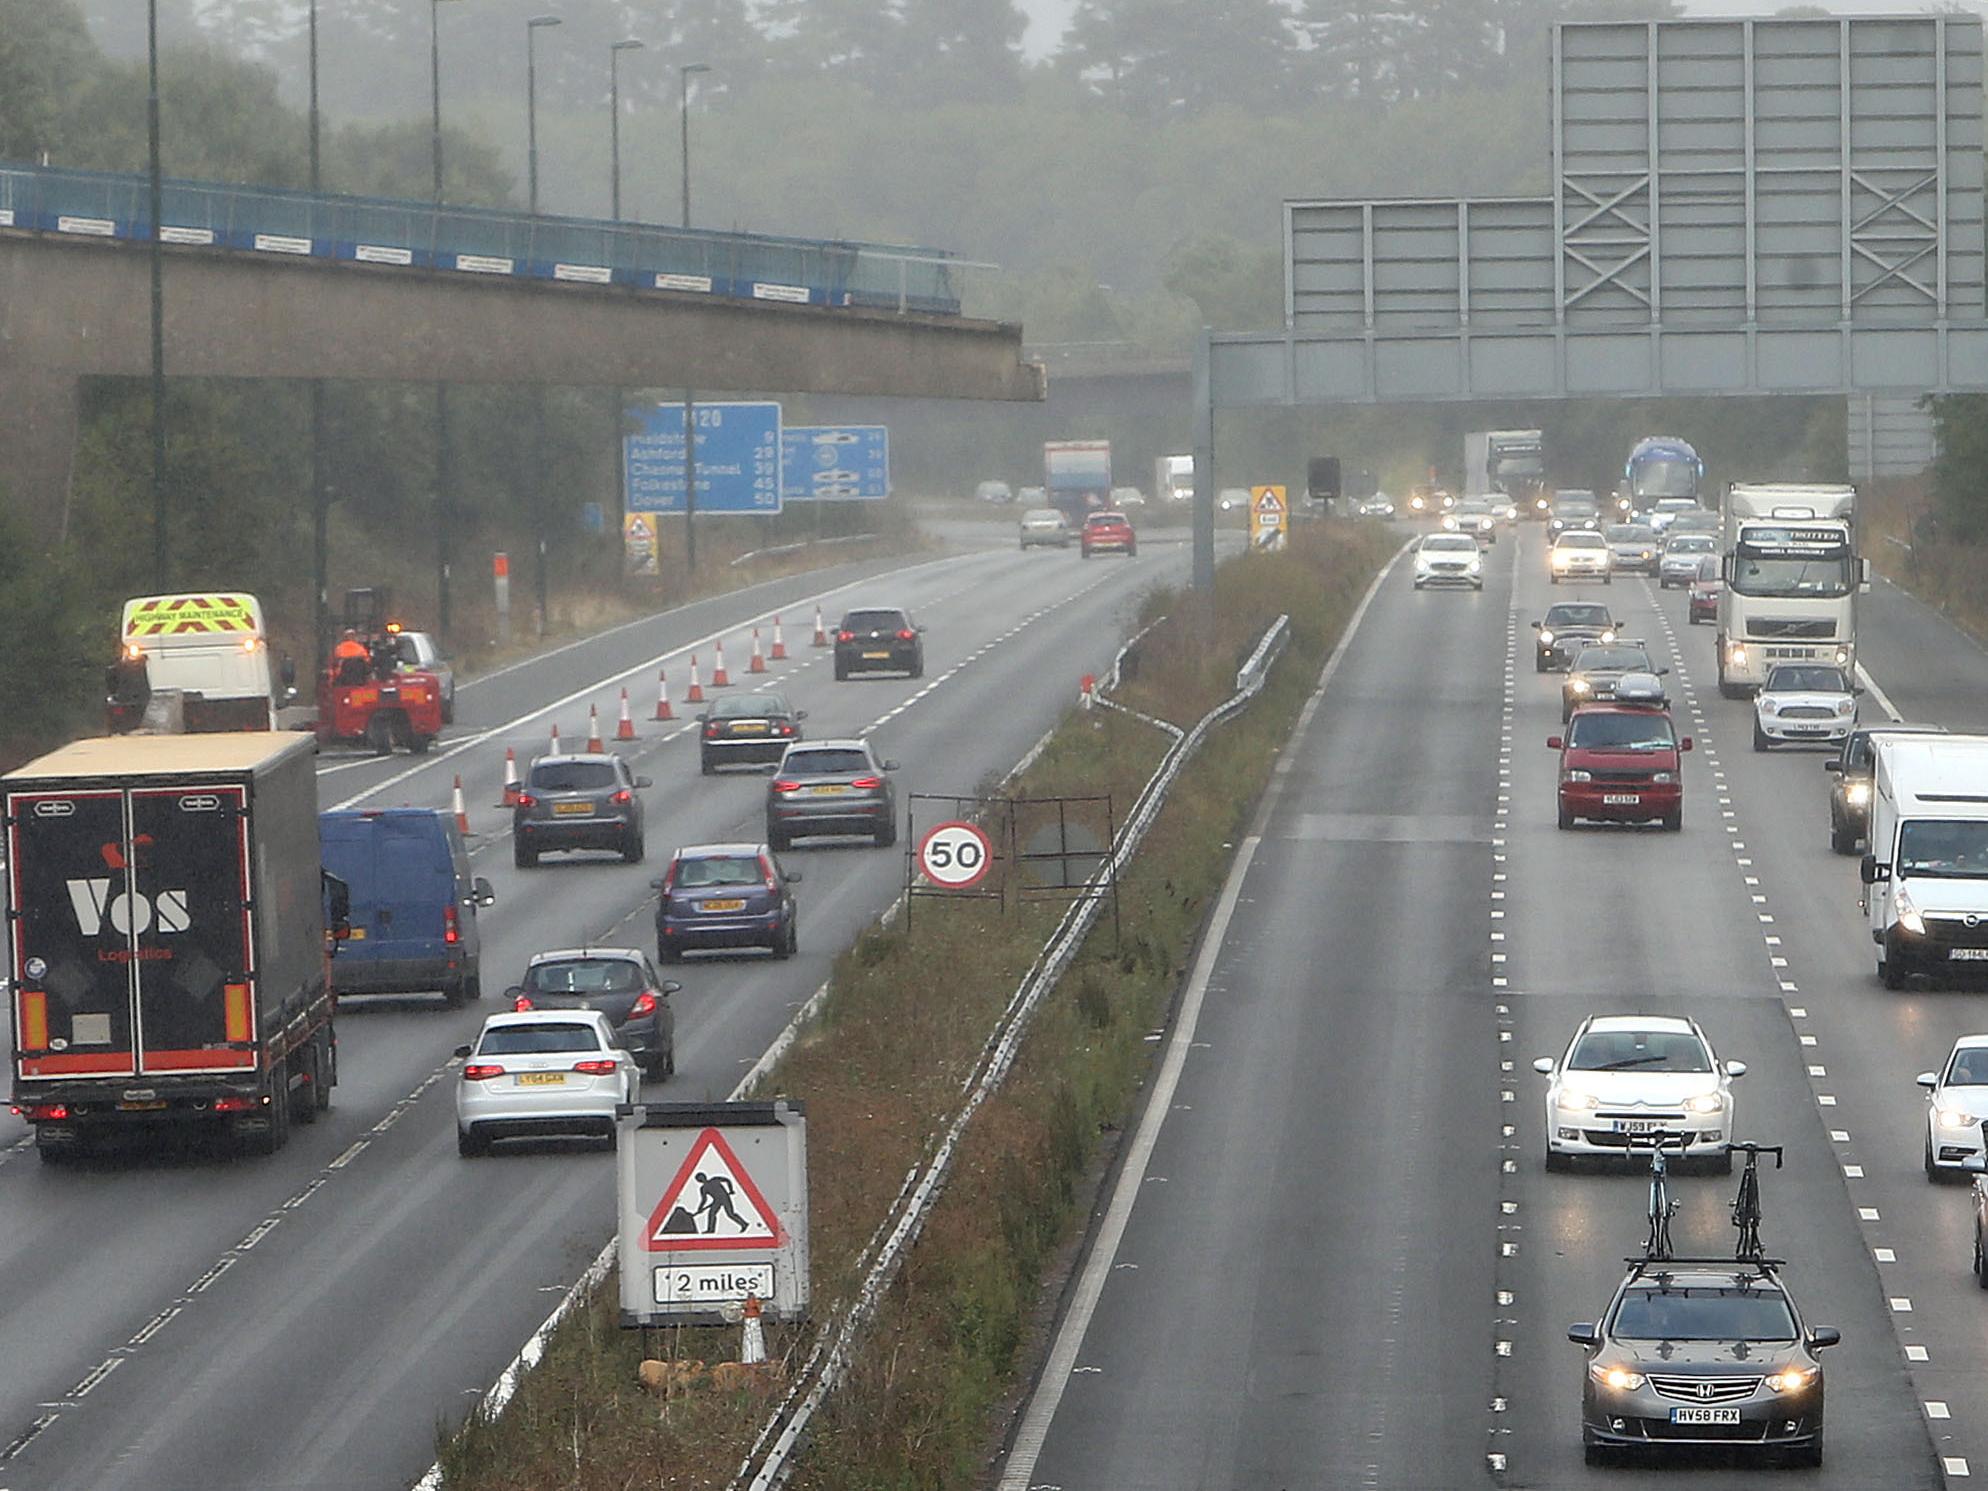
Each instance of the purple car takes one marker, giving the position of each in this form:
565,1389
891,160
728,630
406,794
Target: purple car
725,896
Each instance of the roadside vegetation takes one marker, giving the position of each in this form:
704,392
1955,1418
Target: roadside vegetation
880,1071
1922,534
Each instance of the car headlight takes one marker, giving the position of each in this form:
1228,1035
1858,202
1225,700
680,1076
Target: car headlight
1621,1379
1956,1118
1842,657
1475,564
1846,706
1559,558
1768,707
1736,655
1793,1379
1449,522
1545,637
1578,685
1704,1102
1608,636
1908,913
1579,1102
1577,775
1857,794
1663,778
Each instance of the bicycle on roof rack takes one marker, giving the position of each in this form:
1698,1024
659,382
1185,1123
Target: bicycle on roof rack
1656,1242
1746,1204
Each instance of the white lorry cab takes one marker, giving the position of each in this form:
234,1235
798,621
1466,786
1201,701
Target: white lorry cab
1926,876
1792,577
208,653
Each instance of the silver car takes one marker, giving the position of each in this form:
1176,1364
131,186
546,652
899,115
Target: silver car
830,787
1044,527
1682,551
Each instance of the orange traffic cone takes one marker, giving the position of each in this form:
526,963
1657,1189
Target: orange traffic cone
510,798
626,729
555,738
594,742
779,652
719,677
821,632
756,663
462,810
663,710
695,695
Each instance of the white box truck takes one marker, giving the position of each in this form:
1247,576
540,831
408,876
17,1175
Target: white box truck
1792,577
1926,876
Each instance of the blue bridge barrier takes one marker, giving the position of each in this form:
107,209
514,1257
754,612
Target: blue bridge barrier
480,240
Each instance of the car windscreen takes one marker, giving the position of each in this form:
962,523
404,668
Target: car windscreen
1613,660
1448,544
1576,507
729,869
1691,543
1700,1314
1708,568
1620,732
1948,849
572,776
1630,533
585,976
1794,677
1639,1051
537,1039
873,621
748,707
1577,614
1105,520
825,763
1580,541
1042,515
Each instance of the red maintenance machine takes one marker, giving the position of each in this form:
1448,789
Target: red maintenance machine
366,694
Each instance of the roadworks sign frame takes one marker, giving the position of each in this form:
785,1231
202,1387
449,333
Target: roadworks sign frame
712,1200
1269,513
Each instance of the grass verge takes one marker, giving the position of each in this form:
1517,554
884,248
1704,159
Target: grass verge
881,1071
1946,575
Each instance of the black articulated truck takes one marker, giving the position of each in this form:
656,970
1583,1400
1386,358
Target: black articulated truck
166,913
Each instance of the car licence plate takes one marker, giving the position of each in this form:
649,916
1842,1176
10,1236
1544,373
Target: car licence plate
1637,1126
723,906
834,789
749,727
152,1105
541,1079
1621,799
875,657
1704,1415
573,809
1967,954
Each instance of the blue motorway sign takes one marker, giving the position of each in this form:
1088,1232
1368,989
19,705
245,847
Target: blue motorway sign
738,458
835,463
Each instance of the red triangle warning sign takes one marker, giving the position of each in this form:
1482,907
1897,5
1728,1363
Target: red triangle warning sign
712,1203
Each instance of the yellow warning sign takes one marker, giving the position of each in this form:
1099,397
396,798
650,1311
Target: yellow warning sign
175,615
1269,517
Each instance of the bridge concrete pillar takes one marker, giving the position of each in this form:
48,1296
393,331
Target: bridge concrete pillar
38,419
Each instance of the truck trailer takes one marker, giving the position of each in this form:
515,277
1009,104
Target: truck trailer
1077,477
166,912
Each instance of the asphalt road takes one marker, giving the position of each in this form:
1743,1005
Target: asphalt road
180,1319
1334,1257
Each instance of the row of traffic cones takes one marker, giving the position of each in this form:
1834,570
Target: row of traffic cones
625,727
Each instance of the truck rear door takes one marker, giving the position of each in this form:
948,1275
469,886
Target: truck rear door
69,888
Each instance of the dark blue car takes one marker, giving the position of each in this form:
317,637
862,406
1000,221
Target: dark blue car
725,896
413,903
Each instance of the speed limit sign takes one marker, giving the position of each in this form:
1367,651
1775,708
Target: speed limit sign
955,855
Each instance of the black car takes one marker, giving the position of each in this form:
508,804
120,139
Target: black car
755,728
725,895
1567,627
879,639
1850,793
1573,509
619,982
1592,676
580,801
831,787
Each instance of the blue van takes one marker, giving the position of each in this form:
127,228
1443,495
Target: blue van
414,903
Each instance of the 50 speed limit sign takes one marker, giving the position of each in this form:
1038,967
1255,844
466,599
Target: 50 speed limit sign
955,855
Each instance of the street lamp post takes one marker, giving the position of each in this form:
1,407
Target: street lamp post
684,73
614,52
445,516
532,27
158,266
320,489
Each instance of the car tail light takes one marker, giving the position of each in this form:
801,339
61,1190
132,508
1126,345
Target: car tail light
906,634
786,786
451,924
845,636
43,1112
669,879
623,797
711,730
766,869
233,1105
783,729
868,784
526,800
522,1003
645,1004
595,1068
481,1071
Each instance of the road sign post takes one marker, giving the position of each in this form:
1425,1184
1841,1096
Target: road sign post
713,1205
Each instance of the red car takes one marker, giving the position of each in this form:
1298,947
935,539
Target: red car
1108,533
1621,763
1705,589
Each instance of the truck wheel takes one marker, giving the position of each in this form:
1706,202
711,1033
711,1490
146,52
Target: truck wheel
304,1106
327,1071
62,1151
379,735
420,743
275,1131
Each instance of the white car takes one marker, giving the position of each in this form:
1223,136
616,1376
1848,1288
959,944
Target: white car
1624,1076
541,1072
1956,1102
1449,559
1803,702
1683,552
1580,554
1665,511
1473,517
1124,497
1045,527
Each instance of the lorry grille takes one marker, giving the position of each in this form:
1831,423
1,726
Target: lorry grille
1821,626
1953,931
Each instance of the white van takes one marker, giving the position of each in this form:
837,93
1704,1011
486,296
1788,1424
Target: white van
1926,877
